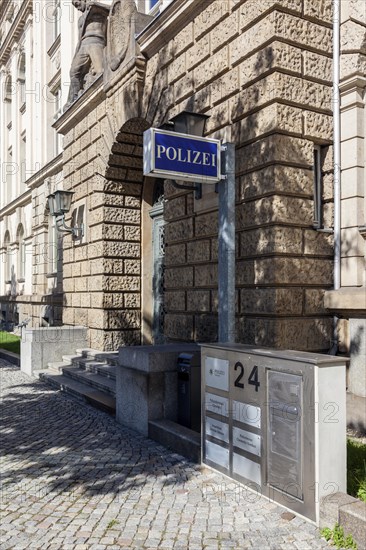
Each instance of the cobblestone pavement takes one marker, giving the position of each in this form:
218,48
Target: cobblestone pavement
72,478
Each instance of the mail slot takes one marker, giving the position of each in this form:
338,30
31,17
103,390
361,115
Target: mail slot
269,420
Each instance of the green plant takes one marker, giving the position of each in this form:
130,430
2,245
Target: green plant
356,469
9,342
112,523
337,538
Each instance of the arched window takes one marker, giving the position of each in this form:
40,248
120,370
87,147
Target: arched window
21,81
21,253
8,257
8,100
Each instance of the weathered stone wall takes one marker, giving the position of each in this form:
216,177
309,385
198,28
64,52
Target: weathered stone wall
262,71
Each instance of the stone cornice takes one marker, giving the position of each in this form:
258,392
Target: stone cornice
23,199
346,301
15,30
86,103
352,83
167,24
50,169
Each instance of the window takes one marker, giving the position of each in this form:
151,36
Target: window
57,114
21,253
21,82
57,19
8,258
52,245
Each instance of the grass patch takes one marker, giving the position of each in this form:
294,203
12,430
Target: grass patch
9,342
337,537
356,469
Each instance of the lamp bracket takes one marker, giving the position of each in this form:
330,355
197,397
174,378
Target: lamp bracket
197,188
77,232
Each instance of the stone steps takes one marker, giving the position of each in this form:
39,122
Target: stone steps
81,392
89,376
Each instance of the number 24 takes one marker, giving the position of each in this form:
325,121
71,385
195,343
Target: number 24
253,377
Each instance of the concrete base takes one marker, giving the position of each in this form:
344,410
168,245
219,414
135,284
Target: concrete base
40,346
180,439
146,385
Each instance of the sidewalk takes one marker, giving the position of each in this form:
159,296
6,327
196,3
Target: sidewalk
72,478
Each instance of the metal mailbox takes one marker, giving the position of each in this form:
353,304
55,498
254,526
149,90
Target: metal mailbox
275,421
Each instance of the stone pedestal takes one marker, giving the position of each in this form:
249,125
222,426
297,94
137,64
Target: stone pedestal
40,346
146,387
357,370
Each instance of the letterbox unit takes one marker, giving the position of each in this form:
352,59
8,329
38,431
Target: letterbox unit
275,421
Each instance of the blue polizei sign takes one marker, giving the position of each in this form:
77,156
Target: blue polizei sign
171,155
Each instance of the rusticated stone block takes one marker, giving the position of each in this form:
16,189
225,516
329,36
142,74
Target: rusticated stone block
317,243
184,87
303,32
352,63
121,283
317,66
122,187
225,86
132,267
131,300
121,249
113,339
223,33
357,11
206,224
353,37
252,9
81,284
176,69
200,101
209,18
198,300
132,233
175,254
278,301
106,265
81,317
275,148
175,208
179,231
284,88
219,117
280,179
318,126
184,39
274,117
283,270
206,328
319,9
178,277
275,56
212,68
314,301
198,53
178,327
114,215
175,301
275,209
128,318
116,232
115,300
206,275
198,251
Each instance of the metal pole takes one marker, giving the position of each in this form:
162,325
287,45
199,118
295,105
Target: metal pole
226,283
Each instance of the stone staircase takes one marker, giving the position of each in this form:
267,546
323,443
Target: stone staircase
89,376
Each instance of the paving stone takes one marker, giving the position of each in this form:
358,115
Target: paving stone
70,471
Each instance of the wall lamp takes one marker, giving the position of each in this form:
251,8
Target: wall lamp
59,204
188,123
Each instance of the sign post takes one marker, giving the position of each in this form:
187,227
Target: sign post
176,156
227,246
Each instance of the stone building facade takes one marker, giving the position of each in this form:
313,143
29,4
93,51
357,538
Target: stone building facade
145,270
